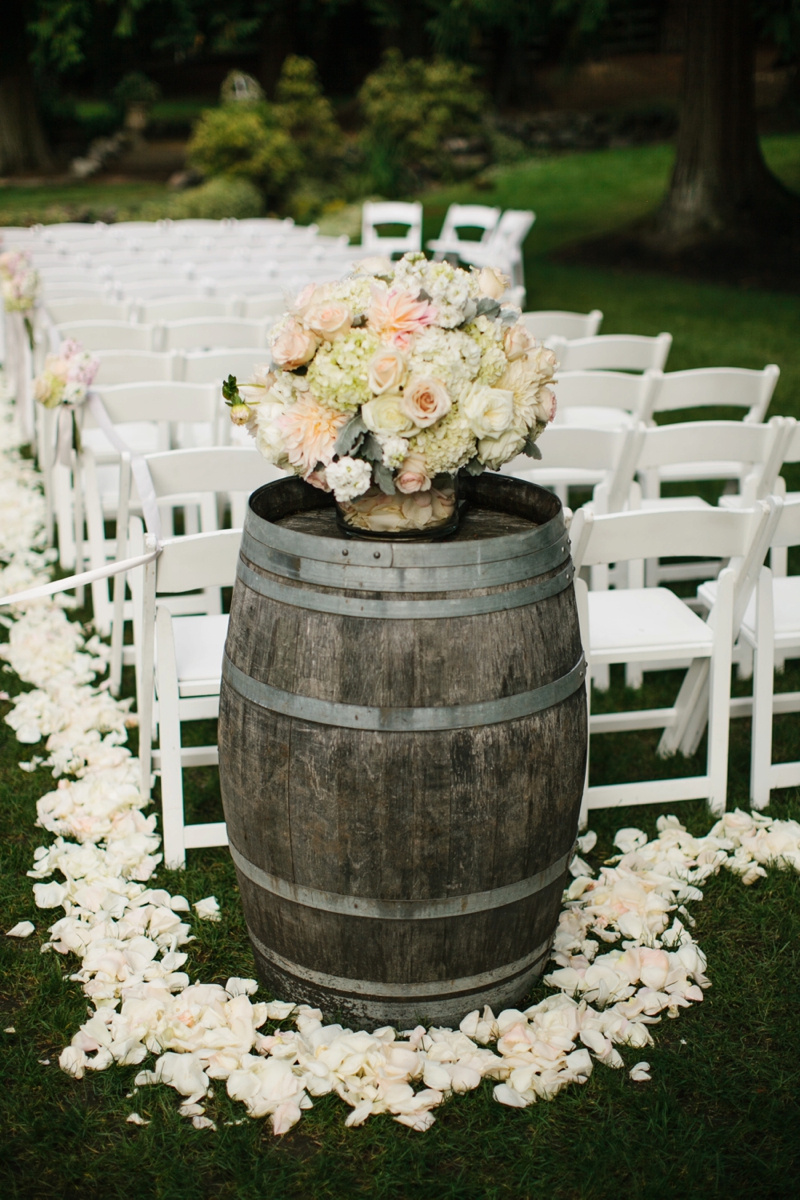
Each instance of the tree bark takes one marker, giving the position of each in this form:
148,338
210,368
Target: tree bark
720,182
22,142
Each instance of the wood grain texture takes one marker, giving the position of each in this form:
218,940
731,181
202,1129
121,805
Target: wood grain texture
401,816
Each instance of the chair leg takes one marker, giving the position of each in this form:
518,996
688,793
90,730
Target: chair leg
761,741
169,737
691,691
719,691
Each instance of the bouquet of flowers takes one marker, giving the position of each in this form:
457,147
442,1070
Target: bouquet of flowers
20,281
66,377
387,383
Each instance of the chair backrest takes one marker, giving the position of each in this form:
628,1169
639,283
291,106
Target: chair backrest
469,216
156,401
510,232
199,560
606,389
375,213
208,366
110,335
93,308
717,386
210,469
613,352
200,334
137,366
549,324
256,308
566,447
176,308
671,533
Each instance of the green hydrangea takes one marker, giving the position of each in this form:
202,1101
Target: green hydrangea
337,374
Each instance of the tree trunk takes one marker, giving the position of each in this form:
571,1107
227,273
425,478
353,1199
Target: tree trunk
720,183
22,142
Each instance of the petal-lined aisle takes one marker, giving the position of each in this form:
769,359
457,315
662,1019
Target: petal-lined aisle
624,952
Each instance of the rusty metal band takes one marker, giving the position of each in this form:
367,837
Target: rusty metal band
401,910
404,610
403,720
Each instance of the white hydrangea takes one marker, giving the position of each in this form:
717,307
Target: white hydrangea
445,446
487,336
353,290
451,356
338,373
394,449
349,478
269,438
448,287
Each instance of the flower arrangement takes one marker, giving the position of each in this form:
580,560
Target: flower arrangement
387,383
19,280
66,376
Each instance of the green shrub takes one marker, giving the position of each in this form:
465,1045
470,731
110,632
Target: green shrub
244,142
305,113
411,109
219,198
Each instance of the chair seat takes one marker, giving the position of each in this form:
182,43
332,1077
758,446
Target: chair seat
552,476
640,624
786,610
199,646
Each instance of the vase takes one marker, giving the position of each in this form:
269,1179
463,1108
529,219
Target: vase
434,513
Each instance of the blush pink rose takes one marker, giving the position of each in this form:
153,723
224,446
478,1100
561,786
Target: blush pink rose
387,370
545,404
517,342
425,401
294,345
328,321
413,475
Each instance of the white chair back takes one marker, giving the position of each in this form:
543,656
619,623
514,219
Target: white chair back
717,386
110,335
93,308
200,334
607,398
209,366
613,352
555,324
137,366
375,214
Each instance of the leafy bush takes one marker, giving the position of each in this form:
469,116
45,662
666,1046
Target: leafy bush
136,88
240,141
218,198
411,110
290,146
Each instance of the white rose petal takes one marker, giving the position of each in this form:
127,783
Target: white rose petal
22,929
207,909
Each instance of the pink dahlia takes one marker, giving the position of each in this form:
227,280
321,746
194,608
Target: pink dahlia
309,433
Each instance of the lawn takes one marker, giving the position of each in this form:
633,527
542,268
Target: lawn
721,1115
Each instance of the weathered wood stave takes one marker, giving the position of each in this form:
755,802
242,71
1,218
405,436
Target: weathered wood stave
360,851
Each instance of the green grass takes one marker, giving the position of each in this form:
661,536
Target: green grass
721,1115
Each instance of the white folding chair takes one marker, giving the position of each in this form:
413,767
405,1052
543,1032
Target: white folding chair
646,624
771,626
376,214
703,388
544,325
257,307
464,216
613,352
503,247
110,335
199,334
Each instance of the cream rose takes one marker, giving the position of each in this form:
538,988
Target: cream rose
329,321
413,475
492,283
293,345
489,411
384,416
425,401
387,371
493,452
310,295
517,342
545,404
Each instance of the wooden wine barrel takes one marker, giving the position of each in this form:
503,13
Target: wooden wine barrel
402,746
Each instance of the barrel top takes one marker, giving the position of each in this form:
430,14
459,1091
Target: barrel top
505,518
